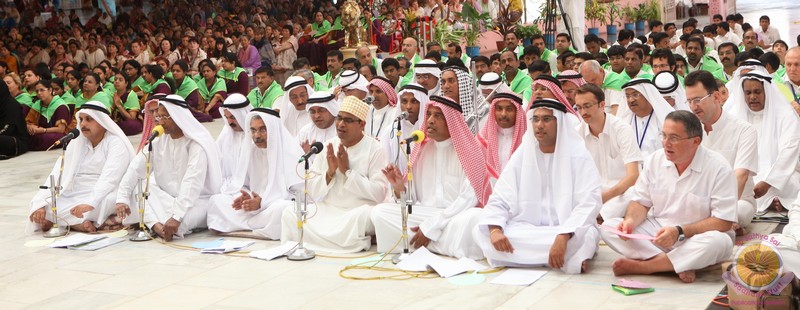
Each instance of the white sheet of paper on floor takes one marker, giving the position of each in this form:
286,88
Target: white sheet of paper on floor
447,268
517,276
76,240
418,260
227,246
272,253
99,244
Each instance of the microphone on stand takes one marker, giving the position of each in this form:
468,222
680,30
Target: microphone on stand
369,99
403,115
157,132
71,135
416,136
397,119
315,149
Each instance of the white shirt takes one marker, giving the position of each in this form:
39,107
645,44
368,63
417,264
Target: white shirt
505,140
735,140
611,150
769,36
646,133
707,188
728,37
312,133
379,121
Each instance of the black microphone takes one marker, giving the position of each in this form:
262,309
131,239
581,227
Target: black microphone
315,149
157,131
71,135
403,115
369,100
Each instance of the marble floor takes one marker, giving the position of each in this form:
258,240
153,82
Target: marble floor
133,275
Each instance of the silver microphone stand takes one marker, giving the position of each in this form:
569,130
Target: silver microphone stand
405,210
144,233
301,252
55,192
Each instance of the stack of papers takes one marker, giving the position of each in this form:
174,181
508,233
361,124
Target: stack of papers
75,240
272,253
422,258
221,245
102,243
630,287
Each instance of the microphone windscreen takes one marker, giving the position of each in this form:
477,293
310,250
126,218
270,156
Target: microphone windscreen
318,145
418,136
75,132
158,130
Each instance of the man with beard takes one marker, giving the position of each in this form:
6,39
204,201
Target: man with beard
502,133
518,81
266,90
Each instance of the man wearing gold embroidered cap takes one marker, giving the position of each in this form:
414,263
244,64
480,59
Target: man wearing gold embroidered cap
347,184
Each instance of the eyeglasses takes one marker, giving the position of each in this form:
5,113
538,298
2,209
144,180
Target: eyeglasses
696,101
259,130
160,117
585,106
633,96
421,77
347,120
672,139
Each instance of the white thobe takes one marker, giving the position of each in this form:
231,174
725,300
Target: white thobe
505,140
229,153
789,241
311,133
292,118
98,172
379,121
735,140
611,151
646,133
398,154
444,207
531,219
339,222
178,187
707,188
266,221
782,174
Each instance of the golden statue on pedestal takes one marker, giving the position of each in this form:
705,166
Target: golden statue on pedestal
354,34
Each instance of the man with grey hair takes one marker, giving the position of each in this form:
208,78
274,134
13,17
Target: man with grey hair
364,56
610,81
683,207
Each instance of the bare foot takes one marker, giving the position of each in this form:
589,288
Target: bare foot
626,266
86,226
776,204
599,220
158,228
584,267
79,210
687,276
111,223
47,225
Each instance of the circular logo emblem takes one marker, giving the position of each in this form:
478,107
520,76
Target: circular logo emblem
758,265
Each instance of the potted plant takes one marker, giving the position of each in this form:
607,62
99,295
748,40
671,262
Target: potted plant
544,12
595,12
527,32
613,14
507,22
629,15
444,34
642,14
474,22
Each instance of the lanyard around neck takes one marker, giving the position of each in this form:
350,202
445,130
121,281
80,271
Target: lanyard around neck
644,132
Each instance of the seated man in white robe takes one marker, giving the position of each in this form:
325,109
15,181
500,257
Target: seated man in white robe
502,133
686,199
615,155
759,102
383,108
186,173
413,101
232,136
543,208
645,113
451,181
95,161
788,243
259,191
351,83
322,108
734,139
292,104
347,183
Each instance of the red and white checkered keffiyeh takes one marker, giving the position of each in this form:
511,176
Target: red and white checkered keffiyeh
556,90
571,76
386,87
488,136
464,142
148,123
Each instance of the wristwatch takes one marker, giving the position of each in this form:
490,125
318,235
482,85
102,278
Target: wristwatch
681,236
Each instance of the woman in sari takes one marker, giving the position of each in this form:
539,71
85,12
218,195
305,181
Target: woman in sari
236,79
125,109
285,54
211,88
155,84
72,89
91,90
47,119
187,89
107,86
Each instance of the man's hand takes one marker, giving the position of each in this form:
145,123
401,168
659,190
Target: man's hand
392,173
666,237
500,241
123,211
558,250
761,189
170,228
252,204
419,240
344,160
333,162
38,216
626,227
306,145
80,209
238,202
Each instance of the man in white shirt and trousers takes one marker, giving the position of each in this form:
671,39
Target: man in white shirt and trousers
544,205
259,190
685,199
185,174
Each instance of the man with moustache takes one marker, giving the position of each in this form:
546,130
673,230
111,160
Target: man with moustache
232,137
293,104
502,133
518,81
727,54
322,108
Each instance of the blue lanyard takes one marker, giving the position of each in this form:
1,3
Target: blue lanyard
644,132
794,95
